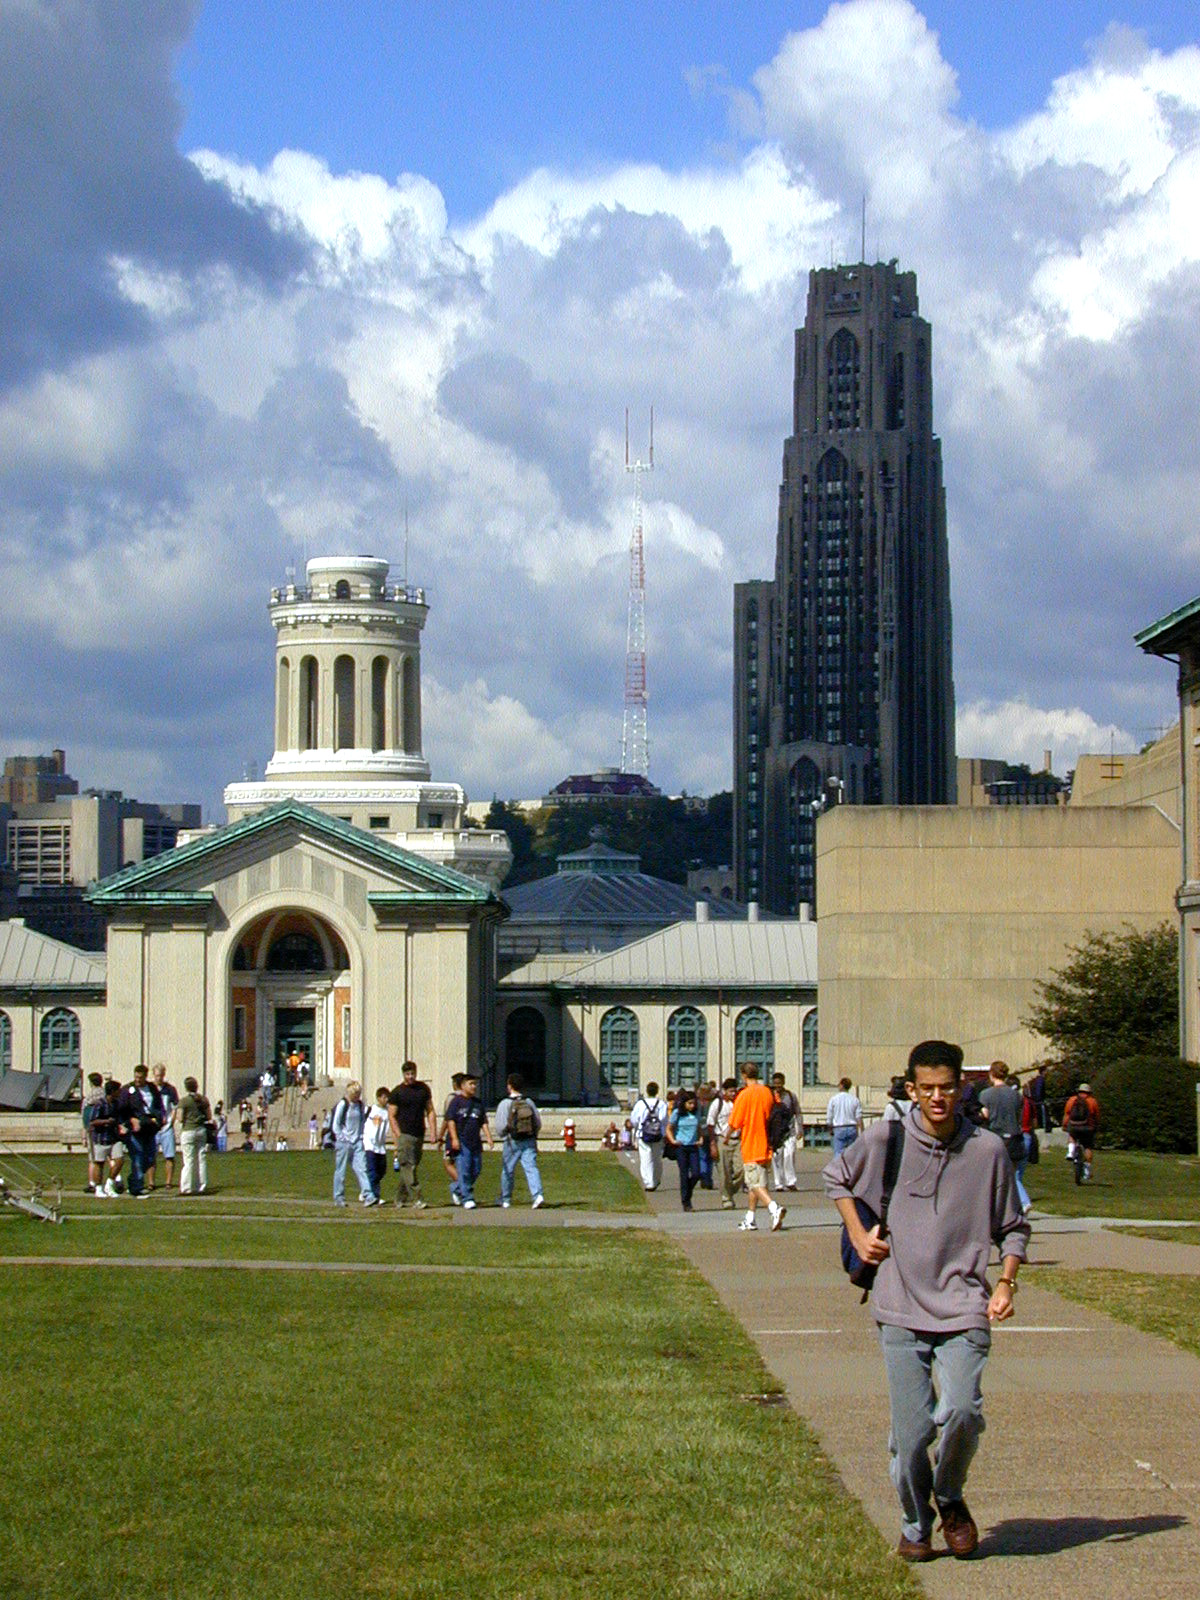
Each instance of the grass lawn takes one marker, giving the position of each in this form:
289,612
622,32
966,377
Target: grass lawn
1175,1235
529,1435
1128,1183
595,1181
1165,1304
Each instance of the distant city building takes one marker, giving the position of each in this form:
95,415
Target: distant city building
842,663
32,780
999,783
715,881
607,784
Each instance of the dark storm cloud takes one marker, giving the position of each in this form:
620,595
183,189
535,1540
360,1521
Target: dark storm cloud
91,175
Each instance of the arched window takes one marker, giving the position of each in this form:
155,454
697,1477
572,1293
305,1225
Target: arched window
296,952
343,703
808,1049
754,1040
410,700
804,789
619,1048
341,590
379,672
5,1042
525,1045
842,382
687,1047
59,1040
310,717
283,702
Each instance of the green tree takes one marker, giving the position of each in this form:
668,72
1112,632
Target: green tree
1116,998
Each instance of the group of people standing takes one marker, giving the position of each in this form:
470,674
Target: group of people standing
405,1116
141,1122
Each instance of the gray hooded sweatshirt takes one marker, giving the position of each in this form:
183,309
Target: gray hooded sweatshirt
951,1203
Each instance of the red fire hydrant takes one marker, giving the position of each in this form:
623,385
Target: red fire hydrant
569,1134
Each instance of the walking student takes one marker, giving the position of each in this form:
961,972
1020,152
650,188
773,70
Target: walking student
843,1116
375,1134
410,1109
729,1144
1001,1106
955,1197
649,1118
749,1117
467,1125
349,1121
684,1129
193,1114
790,1126
518,1123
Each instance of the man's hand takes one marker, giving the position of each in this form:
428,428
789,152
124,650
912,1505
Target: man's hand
1000,1306
871,1248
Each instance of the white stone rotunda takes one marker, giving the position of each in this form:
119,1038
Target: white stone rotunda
348,718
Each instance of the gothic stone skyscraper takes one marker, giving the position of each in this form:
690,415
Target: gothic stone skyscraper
842,665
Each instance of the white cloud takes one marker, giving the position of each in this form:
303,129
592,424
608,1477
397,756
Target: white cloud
1015,731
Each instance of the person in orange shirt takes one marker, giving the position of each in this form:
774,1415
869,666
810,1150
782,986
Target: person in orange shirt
749,1116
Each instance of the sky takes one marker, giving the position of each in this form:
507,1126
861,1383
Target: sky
276,278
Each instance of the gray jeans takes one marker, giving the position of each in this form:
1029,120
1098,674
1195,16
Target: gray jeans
408,1154
913,1361
731,1171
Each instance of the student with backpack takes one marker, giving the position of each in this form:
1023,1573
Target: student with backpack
1081,1119
683,1133
648,1115
518,1123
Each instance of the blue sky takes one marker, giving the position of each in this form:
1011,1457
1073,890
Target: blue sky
474,94
275,277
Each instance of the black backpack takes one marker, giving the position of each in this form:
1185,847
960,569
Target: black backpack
651,1130
779,1125
522,1122
861,1273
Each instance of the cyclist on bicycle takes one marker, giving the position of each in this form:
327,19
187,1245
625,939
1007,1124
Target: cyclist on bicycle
1081,1119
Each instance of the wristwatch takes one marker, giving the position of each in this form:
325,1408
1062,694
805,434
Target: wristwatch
1011,1282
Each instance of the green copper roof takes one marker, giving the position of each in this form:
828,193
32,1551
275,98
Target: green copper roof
1158,636
146,881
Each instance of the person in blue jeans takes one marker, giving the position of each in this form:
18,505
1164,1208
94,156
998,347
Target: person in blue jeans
349,1121
467,1126
684,1128
518,1123
139,1117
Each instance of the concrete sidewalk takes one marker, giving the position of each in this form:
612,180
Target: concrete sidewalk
1087,1482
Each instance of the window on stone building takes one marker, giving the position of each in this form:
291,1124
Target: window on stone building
808,1050
754,1039
59,1043
619,1048
5,1042
687,1047
239,1027
345,1027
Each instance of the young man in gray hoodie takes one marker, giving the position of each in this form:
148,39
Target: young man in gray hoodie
955,1196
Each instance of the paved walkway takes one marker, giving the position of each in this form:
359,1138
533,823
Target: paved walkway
1087,1482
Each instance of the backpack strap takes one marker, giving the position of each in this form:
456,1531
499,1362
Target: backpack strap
891,1170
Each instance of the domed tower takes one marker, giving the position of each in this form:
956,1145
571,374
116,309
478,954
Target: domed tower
348,717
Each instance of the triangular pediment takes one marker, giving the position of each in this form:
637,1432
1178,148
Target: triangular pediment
188,875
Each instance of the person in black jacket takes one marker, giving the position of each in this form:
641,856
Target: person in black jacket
139,1117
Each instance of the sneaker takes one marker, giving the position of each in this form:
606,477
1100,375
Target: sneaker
778,1213
506,1205
370,1200
748,1224
468,1205
958,1529
400,1204
456,1197
419,1205
1087,1172
538,1200
144,1194
339,1202
110,1190
914,1549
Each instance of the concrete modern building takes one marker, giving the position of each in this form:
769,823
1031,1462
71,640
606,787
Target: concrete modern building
1176,638
842,675
940,921
348,718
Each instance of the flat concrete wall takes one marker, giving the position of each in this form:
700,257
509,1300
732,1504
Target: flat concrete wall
939,921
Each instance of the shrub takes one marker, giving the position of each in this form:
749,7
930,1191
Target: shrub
1147,1103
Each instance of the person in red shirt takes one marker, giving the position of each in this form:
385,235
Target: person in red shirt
751,1111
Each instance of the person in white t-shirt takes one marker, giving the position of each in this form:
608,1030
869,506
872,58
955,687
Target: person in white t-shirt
648,1114
844,1116
732,1177
375,1132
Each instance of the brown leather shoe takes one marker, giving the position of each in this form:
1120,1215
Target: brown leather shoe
914,1549
958,1529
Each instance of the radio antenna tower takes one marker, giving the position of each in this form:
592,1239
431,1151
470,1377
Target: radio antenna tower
635,744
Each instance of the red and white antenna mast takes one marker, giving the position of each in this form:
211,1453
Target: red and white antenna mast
635,743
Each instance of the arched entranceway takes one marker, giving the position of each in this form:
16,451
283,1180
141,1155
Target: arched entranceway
290,1000
525,1045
